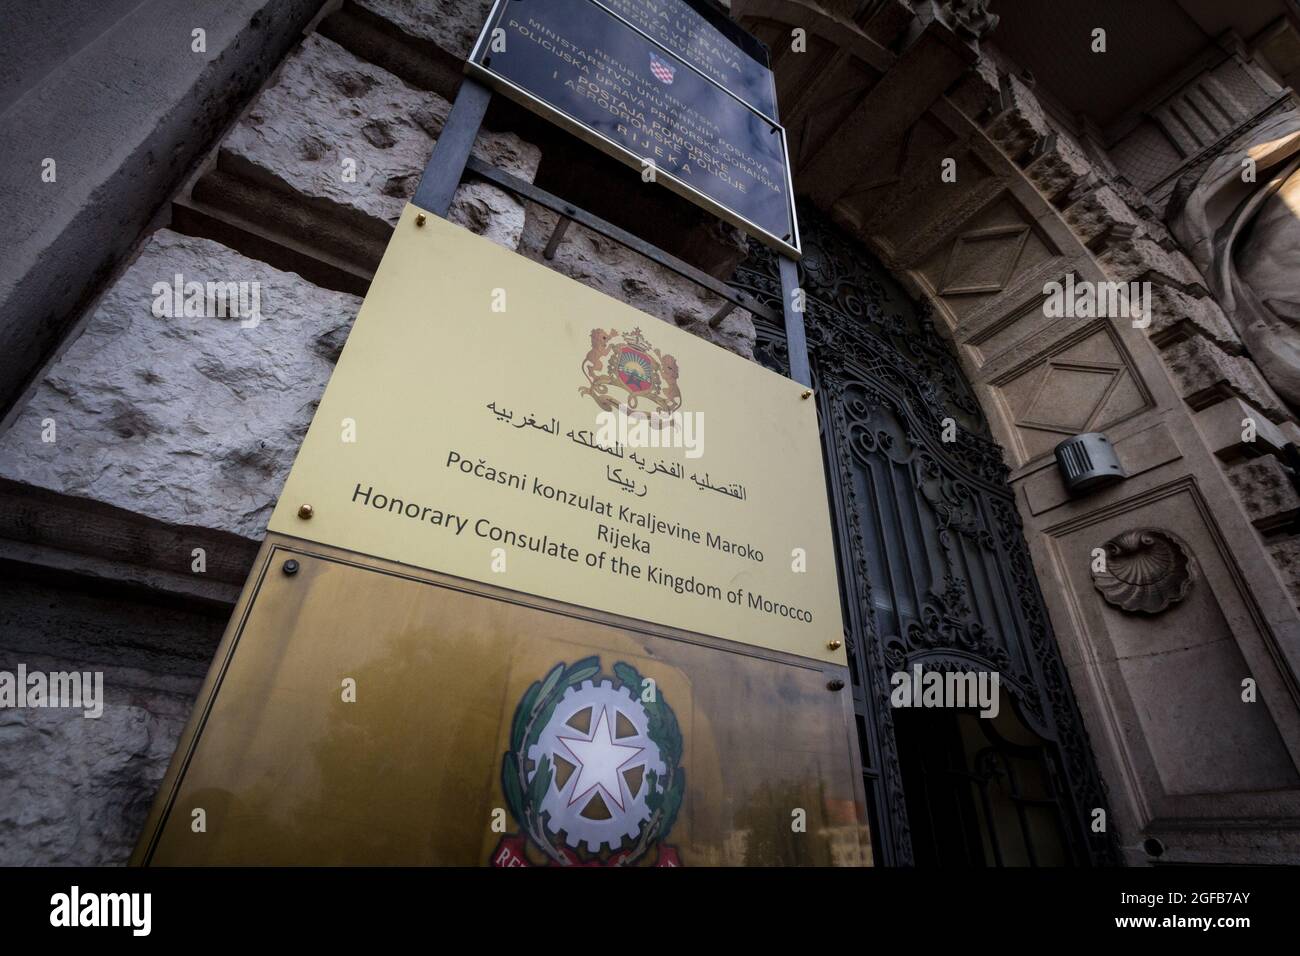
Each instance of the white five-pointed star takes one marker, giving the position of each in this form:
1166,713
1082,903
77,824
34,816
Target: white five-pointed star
600,762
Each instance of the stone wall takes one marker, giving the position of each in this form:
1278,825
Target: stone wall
121,98
76,790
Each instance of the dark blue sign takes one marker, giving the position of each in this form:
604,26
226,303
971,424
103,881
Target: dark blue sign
710,42
579,64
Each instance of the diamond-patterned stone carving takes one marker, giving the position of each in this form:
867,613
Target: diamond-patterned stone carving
1085,384
983,260
1070,396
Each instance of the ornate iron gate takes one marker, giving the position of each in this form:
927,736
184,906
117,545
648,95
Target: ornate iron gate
934,569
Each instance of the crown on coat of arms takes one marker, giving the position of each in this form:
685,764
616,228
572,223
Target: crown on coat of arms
636,340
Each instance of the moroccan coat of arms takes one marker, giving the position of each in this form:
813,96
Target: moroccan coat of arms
624,370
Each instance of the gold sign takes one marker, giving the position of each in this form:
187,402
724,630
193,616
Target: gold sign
551,584
494,420
359,711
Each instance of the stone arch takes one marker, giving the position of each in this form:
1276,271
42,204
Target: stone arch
1033,204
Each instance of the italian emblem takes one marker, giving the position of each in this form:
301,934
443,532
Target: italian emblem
593,773
631,364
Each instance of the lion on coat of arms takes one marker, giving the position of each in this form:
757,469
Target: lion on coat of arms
628,363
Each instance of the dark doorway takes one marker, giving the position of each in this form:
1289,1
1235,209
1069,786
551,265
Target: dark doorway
980,792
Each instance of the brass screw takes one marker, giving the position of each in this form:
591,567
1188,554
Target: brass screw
807,393
836,684
835,645
419,219
305,511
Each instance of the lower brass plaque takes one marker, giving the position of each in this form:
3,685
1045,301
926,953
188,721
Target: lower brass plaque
360,711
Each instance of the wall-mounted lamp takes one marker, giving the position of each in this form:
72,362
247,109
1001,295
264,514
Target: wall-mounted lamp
1088,462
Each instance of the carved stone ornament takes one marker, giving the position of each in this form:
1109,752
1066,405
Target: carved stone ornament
970,17
1243,233
1147,571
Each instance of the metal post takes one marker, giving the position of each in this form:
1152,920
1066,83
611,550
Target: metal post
447,164
724,311
796,341
557,236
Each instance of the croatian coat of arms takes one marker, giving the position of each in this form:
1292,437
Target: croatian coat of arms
638,373
592,775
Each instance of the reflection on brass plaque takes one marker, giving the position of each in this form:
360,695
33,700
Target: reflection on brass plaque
362,712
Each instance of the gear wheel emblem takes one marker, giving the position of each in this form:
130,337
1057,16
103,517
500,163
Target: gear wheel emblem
593,772
604,766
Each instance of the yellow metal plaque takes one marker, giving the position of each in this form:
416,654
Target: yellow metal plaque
496,421
360,711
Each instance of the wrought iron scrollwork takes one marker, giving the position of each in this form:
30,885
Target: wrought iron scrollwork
934,562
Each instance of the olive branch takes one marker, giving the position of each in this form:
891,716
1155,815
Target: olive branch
531,717
663,730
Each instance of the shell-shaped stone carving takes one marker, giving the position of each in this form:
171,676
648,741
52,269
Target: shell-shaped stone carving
1147,571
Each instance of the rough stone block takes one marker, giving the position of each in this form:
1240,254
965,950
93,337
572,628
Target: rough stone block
1175,316
425,42
113,93
976,93
1286,555
623,274
1022,124
351,140
1266,490
1221,427
193,421
1139,202
1205,374
1140,258
452,25
1058,169
1099,212
75,790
